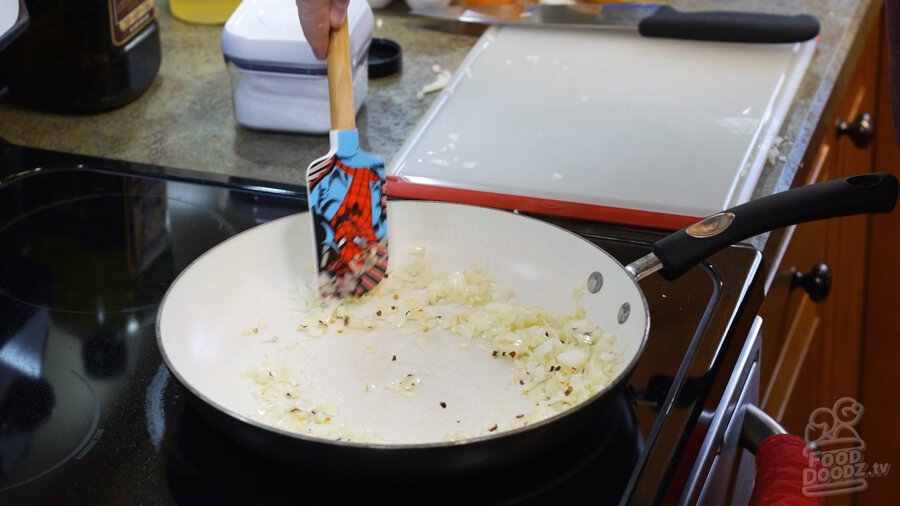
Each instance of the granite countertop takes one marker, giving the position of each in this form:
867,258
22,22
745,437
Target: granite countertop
185,119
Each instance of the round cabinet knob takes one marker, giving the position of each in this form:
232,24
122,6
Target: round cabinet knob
861,131
816,282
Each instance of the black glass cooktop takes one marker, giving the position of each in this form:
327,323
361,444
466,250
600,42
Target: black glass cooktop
89,413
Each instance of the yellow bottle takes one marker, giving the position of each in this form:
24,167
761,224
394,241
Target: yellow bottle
204,12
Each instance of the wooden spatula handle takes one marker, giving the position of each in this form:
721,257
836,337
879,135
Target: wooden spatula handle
340,79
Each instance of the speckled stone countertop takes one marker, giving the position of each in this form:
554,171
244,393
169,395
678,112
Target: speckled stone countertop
185,119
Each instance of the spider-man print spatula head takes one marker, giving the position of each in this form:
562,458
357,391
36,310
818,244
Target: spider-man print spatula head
346,198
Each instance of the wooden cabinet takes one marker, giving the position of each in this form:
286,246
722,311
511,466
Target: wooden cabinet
813,352
792,321
879,371
847,345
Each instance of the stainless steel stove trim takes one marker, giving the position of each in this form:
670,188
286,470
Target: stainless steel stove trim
708,363
720,449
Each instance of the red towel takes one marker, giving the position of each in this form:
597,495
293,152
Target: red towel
780,466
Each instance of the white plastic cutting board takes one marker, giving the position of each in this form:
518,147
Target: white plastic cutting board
604,118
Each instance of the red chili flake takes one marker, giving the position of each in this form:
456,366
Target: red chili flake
443,404
568,390
378,313
394,358
492,429
512,354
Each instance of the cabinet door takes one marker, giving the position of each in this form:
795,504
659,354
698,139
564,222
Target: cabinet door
847,246
881,339
818,346
791,319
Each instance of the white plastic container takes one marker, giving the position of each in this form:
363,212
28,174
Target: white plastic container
276,81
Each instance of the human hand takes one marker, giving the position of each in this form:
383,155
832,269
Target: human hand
317,18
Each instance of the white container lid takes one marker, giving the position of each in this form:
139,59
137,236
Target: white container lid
266,35
9,13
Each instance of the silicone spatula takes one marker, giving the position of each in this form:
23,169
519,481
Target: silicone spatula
346,198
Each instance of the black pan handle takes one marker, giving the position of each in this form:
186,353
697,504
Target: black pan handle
725,26
864,194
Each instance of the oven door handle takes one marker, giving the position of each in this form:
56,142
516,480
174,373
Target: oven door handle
783,462
757,427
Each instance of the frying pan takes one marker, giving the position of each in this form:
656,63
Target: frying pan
246,282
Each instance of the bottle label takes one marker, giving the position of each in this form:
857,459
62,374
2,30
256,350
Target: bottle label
128,17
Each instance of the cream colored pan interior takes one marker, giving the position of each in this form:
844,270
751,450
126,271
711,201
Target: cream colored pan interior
235,308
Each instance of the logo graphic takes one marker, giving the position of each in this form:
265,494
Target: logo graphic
836,463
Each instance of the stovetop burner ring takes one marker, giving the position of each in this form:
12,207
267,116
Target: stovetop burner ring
28,455
103,253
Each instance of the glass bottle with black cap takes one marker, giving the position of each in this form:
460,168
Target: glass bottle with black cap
83,56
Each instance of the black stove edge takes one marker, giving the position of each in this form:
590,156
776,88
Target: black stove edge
702,375
719,370
13,155
639,481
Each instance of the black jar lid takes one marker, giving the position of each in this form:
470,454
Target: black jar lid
385,58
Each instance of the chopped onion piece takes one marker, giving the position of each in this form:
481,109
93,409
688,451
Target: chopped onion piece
556,360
